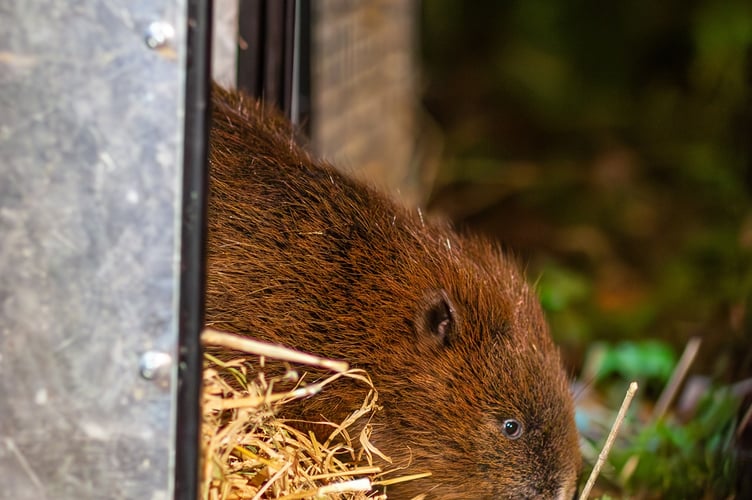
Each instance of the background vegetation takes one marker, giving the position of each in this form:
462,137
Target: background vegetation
610,146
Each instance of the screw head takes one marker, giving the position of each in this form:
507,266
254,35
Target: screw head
159,34
154,364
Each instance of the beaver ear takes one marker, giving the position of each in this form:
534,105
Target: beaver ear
437,318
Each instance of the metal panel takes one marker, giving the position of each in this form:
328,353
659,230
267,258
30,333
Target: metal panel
90,191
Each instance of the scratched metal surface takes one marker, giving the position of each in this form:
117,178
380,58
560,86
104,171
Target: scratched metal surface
90,148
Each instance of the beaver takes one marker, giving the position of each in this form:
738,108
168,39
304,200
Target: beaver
470,382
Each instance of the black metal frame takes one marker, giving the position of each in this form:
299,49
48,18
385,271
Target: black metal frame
274,54
193,250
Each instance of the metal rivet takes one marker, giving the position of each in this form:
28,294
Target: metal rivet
159,34
154,363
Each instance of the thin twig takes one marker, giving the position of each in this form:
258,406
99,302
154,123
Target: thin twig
744,422
271,480
25,466
214,337
402,479
609,441
680,373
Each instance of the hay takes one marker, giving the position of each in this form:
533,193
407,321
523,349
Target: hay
249,453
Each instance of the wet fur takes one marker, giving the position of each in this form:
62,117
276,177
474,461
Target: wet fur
445,324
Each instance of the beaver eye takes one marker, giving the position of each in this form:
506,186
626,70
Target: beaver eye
511,428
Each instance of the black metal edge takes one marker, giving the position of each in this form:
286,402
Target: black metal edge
288,58
301,110
273,49
250,55
273,60
193,250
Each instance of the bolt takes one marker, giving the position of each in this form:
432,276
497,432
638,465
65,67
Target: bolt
159,34
154,363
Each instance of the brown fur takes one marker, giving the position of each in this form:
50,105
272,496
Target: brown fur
445,324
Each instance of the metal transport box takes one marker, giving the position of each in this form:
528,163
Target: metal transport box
92,120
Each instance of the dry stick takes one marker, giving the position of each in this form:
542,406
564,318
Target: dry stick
363,484
271,480
214,337
741,390
350,486
680,372
402,479
743,422
255,401
609,441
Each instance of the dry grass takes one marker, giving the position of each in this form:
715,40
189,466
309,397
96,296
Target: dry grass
249,453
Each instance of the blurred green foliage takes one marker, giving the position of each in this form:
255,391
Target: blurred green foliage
693,460
610,144
647,360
